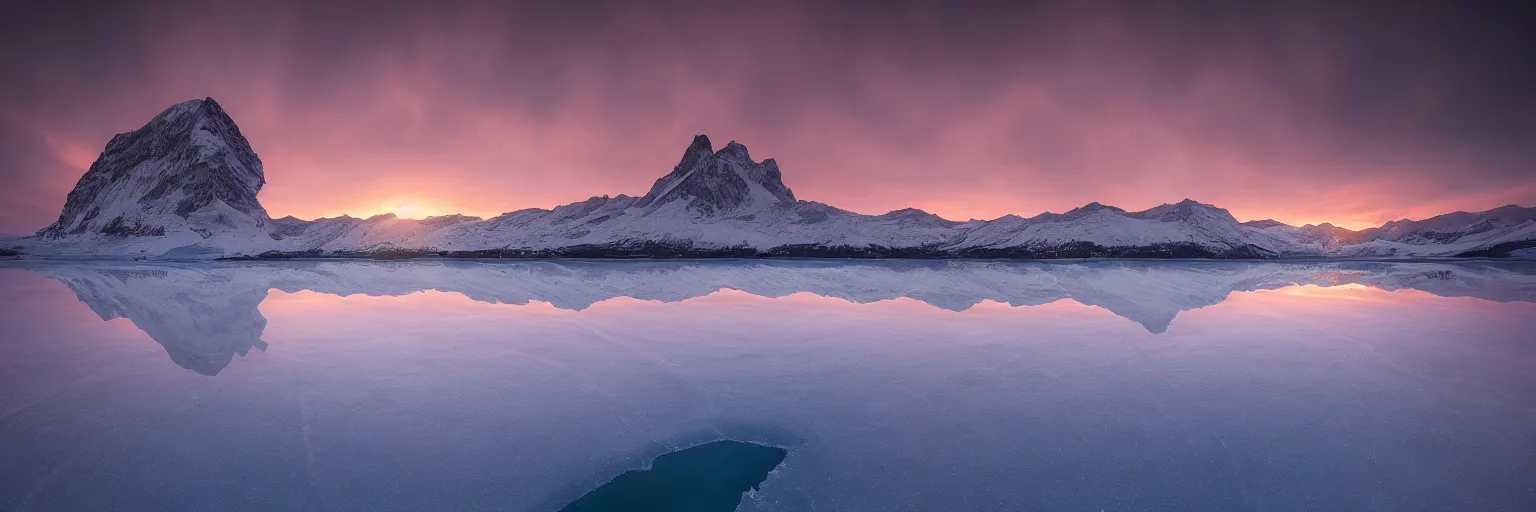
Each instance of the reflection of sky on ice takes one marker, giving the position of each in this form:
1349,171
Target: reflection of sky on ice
1335,395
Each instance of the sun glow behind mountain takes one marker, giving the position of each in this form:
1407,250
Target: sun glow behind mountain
713,203
404,207
997,108
410,210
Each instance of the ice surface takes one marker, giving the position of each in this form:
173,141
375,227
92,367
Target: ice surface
206,313
893,386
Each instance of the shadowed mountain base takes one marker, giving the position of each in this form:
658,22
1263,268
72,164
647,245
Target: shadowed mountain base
706,478
658,250
1503,250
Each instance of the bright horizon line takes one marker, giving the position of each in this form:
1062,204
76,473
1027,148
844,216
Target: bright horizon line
427,212
426,206
968,113
432,204
421,199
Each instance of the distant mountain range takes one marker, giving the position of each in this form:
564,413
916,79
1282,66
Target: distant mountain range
184,186
204,315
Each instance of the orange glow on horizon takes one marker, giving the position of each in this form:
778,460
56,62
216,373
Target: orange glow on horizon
414,189
412,209
408,192
486,176
492,107
485,206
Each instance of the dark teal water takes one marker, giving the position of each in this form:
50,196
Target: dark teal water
707,478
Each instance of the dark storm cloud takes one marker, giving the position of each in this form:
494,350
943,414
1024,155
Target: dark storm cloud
1355,112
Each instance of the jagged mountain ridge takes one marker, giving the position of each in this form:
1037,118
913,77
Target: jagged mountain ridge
185,185
187,177
720,181
182,162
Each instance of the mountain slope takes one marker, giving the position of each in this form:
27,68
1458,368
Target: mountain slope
1493,233
187,178
185,186
712,203
1185,229
721,181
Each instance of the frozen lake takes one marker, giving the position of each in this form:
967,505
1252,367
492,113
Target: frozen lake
893,386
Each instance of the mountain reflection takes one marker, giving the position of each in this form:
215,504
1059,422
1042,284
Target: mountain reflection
204,314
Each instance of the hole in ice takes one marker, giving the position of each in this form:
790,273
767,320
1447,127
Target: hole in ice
709,477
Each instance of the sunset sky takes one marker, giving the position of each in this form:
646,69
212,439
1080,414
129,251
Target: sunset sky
1302,112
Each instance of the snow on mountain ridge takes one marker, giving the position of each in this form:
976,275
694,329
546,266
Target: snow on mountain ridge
1184,229
185,185
1497,232
186,179
718,181
189,156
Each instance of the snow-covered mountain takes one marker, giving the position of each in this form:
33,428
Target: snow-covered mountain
1500,232
1188,229
184,186
205,314
186,179
712,203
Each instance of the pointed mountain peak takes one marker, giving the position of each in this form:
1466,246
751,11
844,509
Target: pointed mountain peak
735,152
1191,204
205,107
155,180
698,150
713,181
1091,208
1265,223
1186,210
